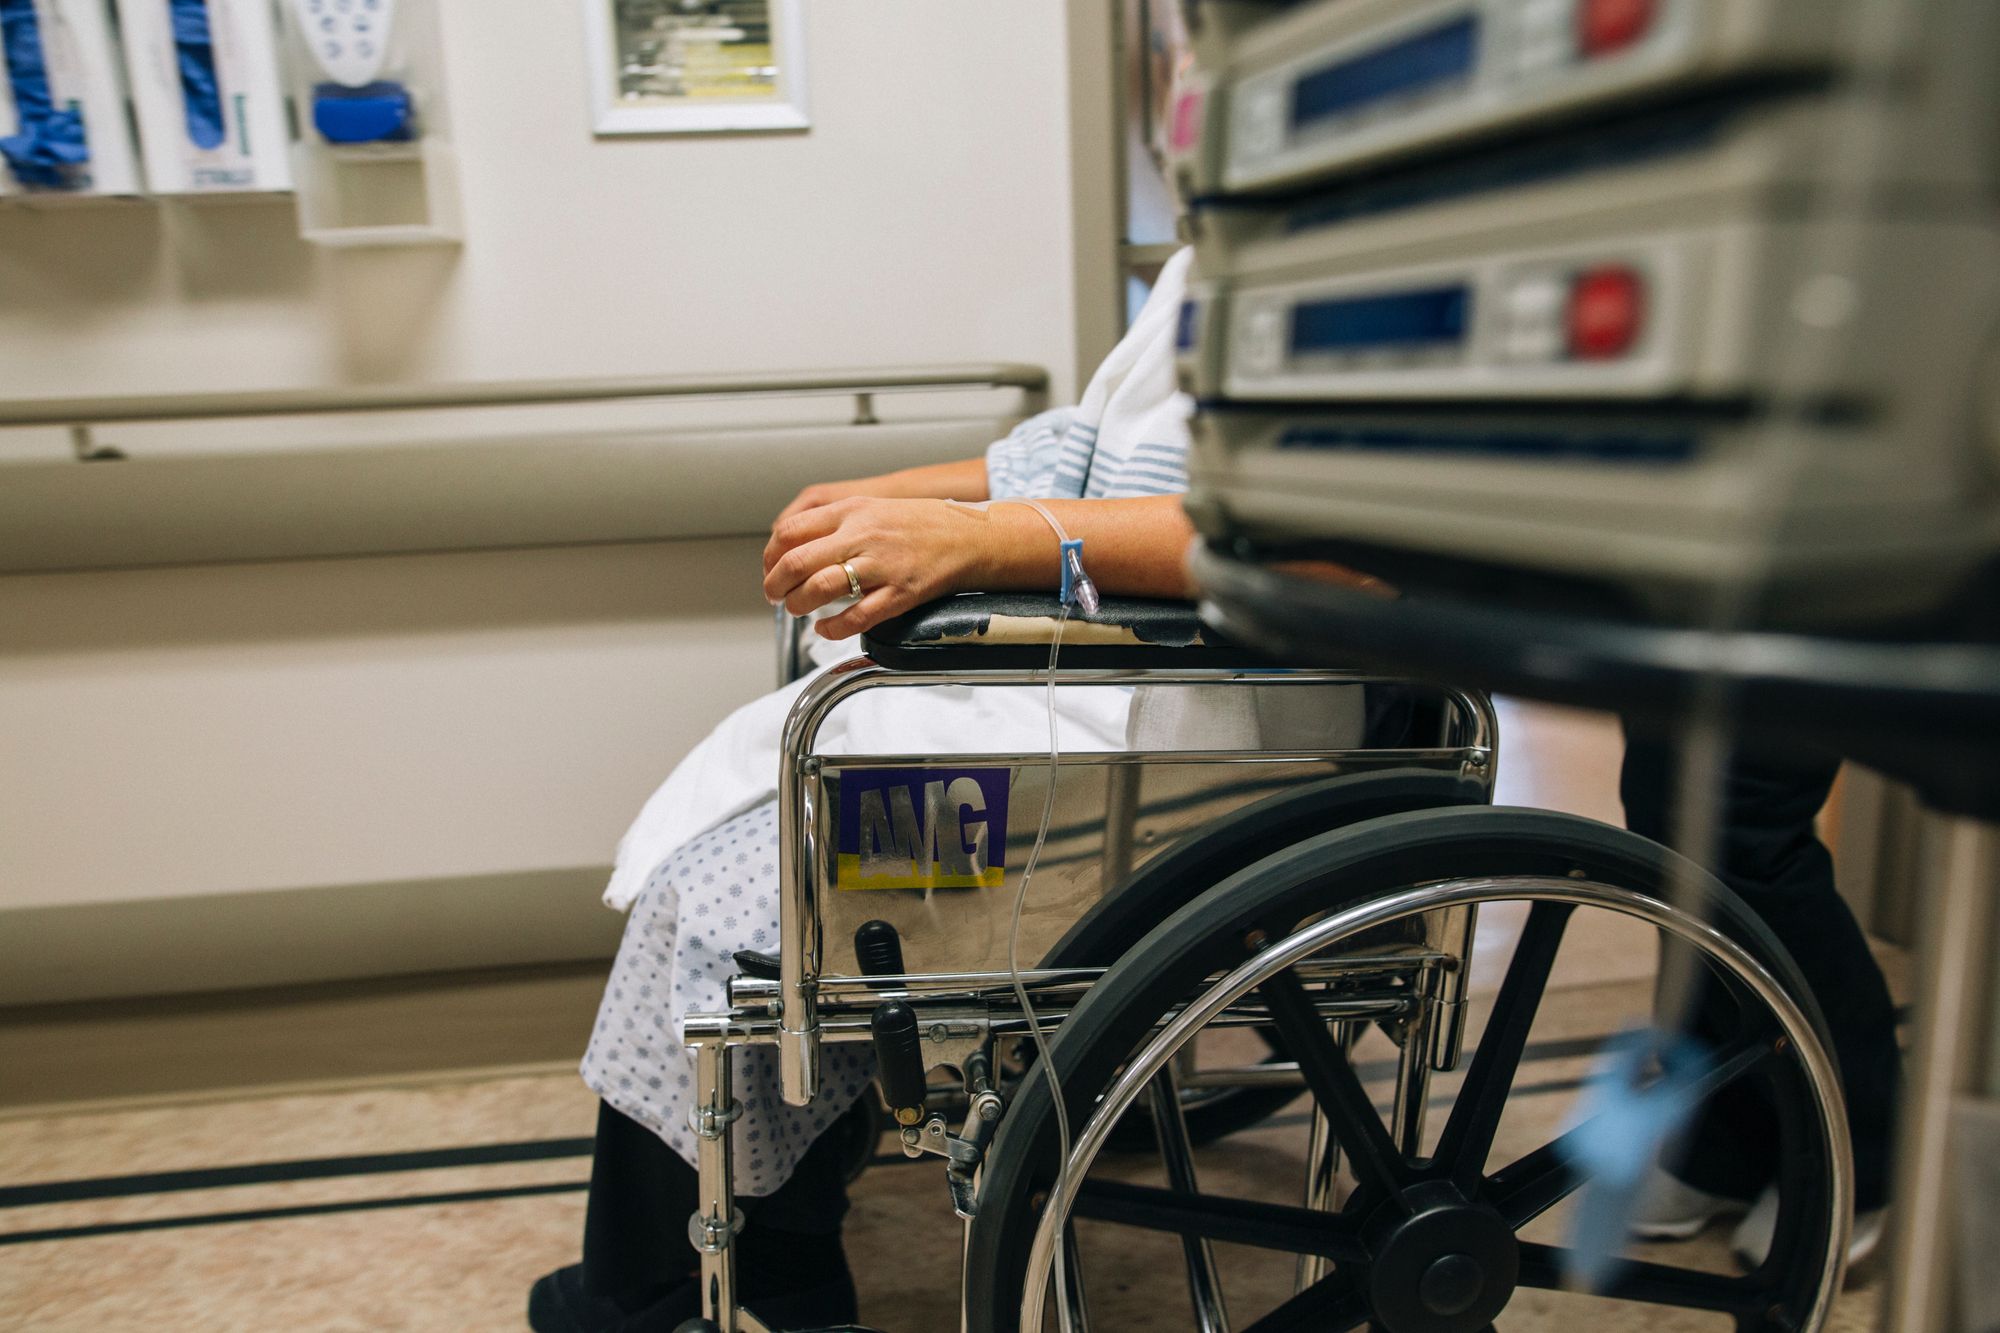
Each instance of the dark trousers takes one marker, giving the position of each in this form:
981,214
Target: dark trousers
1769,854
635,1227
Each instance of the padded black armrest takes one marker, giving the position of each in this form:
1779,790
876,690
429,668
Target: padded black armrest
1010,631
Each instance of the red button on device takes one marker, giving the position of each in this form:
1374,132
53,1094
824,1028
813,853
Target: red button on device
1604,26
1607,306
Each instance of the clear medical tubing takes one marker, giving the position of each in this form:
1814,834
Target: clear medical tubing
1042,1049
1076,590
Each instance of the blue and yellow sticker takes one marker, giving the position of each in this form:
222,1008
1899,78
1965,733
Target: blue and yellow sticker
921,828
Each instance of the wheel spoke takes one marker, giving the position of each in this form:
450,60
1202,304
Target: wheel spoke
1177,1159
1330,1305
1545,1266
1735,1060
1335,1086
1267,1226
1475,1116
1525,1189
1076,1302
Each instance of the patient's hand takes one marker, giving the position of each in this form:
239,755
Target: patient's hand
963,479
904,552
825,493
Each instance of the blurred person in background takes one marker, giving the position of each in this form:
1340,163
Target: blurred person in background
1769,853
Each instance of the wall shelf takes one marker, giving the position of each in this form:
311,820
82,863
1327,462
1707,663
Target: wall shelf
399,189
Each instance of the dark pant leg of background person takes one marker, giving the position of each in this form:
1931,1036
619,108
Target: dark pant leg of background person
1770,855
635,1230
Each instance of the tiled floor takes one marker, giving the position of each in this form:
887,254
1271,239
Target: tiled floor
426,1242
431,1203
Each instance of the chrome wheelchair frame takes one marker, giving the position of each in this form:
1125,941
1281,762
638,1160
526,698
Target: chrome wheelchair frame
807,1004
1407,971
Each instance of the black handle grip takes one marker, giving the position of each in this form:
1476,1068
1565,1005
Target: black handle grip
763,966
899,1057
879,949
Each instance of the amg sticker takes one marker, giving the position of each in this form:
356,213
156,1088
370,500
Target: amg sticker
922,828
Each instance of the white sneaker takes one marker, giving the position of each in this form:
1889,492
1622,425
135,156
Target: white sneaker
1671,1209
1752,1240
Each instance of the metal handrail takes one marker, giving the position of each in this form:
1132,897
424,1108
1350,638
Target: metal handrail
85,412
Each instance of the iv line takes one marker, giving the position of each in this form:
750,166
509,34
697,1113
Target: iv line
1076,590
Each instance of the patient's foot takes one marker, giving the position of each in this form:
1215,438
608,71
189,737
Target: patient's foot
795,1281
557,1303
814,1290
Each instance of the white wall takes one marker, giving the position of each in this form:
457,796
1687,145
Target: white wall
382,765
241,774
925,217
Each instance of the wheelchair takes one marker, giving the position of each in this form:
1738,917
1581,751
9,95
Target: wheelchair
1214,925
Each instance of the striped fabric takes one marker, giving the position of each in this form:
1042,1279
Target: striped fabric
1128,437
1054,456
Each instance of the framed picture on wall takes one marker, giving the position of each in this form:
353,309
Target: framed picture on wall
696,66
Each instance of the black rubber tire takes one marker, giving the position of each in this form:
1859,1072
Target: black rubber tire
1276,895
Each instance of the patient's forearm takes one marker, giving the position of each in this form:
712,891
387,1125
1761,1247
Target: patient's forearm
961,480
964,479
903,552
1134,547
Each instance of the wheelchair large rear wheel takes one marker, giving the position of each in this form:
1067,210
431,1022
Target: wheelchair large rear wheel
1437,1236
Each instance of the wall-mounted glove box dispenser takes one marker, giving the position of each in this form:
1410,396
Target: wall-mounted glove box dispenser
206,88
373,161
63,129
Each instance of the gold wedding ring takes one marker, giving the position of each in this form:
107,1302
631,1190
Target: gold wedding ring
853,579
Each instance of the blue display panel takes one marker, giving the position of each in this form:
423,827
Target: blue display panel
1422,318
1437,55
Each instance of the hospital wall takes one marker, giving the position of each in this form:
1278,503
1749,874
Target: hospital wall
233,773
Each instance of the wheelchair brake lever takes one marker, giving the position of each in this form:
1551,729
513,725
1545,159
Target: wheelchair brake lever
965,1151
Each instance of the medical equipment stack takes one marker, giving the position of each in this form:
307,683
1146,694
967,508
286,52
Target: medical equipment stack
63,128
373,161
1648,346
205,89
1608,302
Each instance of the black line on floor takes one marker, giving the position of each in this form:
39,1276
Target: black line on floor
531,1150
279,1214
269,1173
